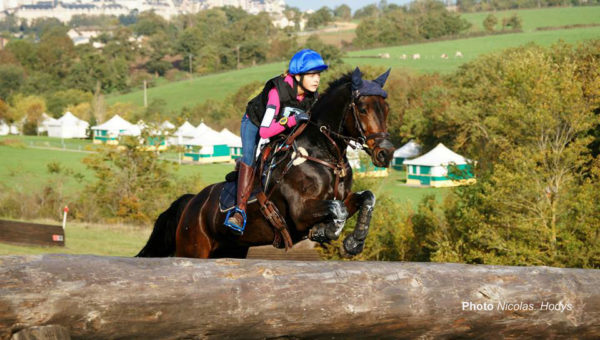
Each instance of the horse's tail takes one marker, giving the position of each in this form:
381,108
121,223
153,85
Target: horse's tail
162,240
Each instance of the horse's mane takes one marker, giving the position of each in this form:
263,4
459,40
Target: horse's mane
334,84
331,94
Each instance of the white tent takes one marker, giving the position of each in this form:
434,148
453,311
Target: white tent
440,155
204,129
408,150
166,125
232,139
68,126
185,133
432,168
45,121
109,131
4,128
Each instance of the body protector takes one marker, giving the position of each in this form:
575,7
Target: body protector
289,105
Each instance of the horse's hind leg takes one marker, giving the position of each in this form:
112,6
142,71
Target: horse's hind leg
193,238
363,202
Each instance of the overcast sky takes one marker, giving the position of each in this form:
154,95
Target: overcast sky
354,4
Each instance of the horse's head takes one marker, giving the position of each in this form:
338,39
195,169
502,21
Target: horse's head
367,120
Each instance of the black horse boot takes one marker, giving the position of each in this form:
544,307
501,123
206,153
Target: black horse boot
237,222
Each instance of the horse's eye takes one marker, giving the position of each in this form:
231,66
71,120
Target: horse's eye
362,110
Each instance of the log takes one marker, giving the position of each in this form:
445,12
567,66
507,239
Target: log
110,297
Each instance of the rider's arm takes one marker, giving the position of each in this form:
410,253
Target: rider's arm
269,126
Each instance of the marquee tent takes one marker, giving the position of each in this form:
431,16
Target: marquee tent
234,143
440,167
110,131
408,150
68,126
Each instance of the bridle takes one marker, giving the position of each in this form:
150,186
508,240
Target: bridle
362,140
340,167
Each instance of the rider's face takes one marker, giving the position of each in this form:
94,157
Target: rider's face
311,81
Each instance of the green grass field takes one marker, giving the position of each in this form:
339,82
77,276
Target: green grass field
537,18
27,167
470,48
197,90
192,92
85,238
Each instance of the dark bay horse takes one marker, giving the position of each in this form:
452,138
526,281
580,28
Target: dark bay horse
313,196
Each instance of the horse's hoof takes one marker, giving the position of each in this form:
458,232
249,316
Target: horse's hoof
353,247
318,234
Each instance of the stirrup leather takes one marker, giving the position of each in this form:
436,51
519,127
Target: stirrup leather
233,225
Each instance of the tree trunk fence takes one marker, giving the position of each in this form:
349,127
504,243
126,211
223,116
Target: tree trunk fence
93,297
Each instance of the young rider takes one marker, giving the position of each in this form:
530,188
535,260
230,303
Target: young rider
281,105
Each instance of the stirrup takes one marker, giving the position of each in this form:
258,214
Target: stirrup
233,225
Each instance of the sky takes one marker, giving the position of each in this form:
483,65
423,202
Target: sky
354,4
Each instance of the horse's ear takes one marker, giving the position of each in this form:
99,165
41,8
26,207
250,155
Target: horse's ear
382,78
356,79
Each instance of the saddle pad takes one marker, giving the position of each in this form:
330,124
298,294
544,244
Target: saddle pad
228,196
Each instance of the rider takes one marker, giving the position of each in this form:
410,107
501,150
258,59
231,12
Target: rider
282,104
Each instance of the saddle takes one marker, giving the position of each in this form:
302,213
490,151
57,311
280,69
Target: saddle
227,198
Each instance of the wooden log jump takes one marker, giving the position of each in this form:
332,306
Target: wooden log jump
96,297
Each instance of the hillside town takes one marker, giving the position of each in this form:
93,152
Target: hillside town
65,10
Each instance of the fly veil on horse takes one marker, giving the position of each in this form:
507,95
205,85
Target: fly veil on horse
309,189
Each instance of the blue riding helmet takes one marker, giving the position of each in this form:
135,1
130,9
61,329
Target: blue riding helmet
307,61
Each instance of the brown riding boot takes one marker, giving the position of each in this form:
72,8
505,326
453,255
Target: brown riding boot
244,189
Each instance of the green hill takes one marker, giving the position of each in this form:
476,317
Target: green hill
217,86
542,17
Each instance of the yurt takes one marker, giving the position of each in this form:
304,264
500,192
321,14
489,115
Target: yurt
68,126
407,151
185,133
45,121
208,146
110,131
234,143
437,169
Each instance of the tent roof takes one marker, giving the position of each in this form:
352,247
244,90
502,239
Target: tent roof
69,119
167,125
208,137
203,128
231,138
115,123
186,129
440,155
408,150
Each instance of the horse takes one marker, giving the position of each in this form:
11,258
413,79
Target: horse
312,193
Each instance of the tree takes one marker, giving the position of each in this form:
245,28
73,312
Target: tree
131,183
28,108
490,23
513,22
59,100
11,79
321,17
343,12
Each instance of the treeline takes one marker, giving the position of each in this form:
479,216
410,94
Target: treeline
530,117
422,20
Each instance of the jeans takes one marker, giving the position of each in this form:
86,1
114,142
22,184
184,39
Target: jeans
250,138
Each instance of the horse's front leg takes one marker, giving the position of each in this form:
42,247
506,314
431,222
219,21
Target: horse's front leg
363,202
326,217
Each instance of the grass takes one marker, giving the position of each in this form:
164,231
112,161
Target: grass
537,18
470,48
27,167
85,238
192,92
187,93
